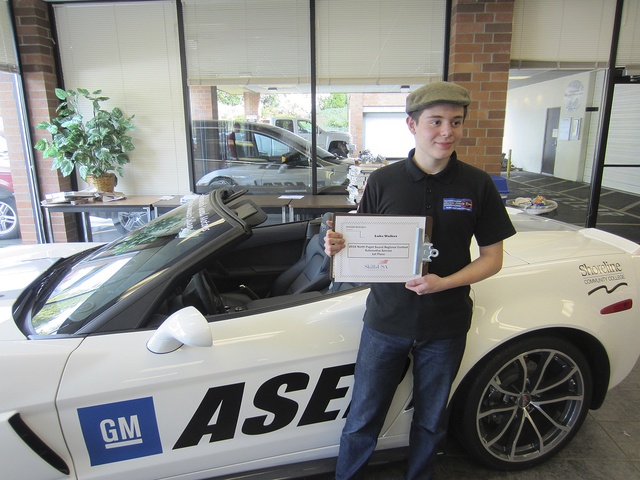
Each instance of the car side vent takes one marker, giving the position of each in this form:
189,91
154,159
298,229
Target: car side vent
34,442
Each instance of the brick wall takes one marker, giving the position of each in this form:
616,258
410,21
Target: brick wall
203,102
479,60
35,48
252,104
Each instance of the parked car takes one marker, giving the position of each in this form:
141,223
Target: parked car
9,224
261,157
338,143
191,348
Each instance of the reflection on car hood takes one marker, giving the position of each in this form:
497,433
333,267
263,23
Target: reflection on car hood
541,240
19,266
542,247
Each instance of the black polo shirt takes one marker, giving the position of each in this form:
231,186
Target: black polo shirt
464,202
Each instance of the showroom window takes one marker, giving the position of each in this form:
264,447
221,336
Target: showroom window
249,76
374,56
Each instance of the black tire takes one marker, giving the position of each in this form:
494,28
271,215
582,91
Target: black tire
9,225
524,403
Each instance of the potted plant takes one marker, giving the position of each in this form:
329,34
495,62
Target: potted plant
97,148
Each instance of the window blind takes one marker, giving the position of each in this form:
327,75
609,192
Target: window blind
629,42
623,142
564,33
8,55
378,42
131,52
373,42
247,42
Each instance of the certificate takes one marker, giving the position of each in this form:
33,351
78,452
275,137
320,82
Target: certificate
380,248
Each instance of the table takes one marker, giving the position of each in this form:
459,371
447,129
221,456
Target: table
289,206
319,204
269,203
156,205
132,203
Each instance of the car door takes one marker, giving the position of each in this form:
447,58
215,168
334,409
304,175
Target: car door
273,388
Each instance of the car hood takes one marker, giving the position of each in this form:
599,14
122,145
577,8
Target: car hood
19,266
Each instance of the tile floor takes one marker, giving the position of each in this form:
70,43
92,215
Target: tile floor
608,445
619,212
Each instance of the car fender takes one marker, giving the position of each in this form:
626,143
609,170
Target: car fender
562,304
43,361
20,265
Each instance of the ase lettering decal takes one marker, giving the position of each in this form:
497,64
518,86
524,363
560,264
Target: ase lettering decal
223,403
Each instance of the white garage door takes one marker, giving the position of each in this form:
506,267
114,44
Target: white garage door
386,134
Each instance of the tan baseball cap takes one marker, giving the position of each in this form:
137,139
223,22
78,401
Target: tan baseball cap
437,92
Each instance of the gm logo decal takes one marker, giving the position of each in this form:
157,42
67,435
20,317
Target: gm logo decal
119,431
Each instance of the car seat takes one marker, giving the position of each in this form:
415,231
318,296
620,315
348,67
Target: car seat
311,272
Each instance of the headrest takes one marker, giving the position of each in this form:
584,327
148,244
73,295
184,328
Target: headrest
324,227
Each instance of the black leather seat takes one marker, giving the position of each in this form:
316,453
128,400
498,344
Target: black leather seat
311,272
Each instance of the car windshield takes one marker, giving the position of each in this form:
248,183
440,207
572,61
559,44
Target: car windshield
96,282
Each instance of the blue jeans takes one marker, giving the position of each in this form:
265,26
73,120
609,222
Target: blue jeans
379,366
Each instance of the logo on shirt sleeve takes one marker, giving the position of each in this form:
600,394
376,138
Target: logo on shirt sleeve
119,431
462,204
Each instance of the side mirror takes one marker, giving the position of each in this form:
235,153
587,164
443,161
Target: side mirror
185,327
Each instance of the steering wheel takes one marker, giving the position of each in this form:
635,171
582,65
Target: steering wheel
208,292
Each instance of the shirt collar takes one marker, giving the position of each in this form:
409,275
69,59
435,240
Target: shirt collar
445,176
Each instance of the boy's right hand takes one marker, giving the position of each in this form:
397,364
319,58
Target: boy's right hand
333,241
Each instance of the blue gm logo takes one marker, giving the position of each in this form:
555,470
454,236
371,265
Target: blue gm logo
120,431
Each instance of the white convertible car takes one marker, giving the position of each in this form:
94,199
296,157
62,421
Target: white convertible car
203,346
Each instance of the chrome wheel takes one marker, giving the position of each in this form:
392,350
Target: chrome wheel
222,182
527,403
8,218
129,221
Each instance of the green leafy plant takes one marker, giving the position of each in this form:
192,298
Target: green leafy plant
96,147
